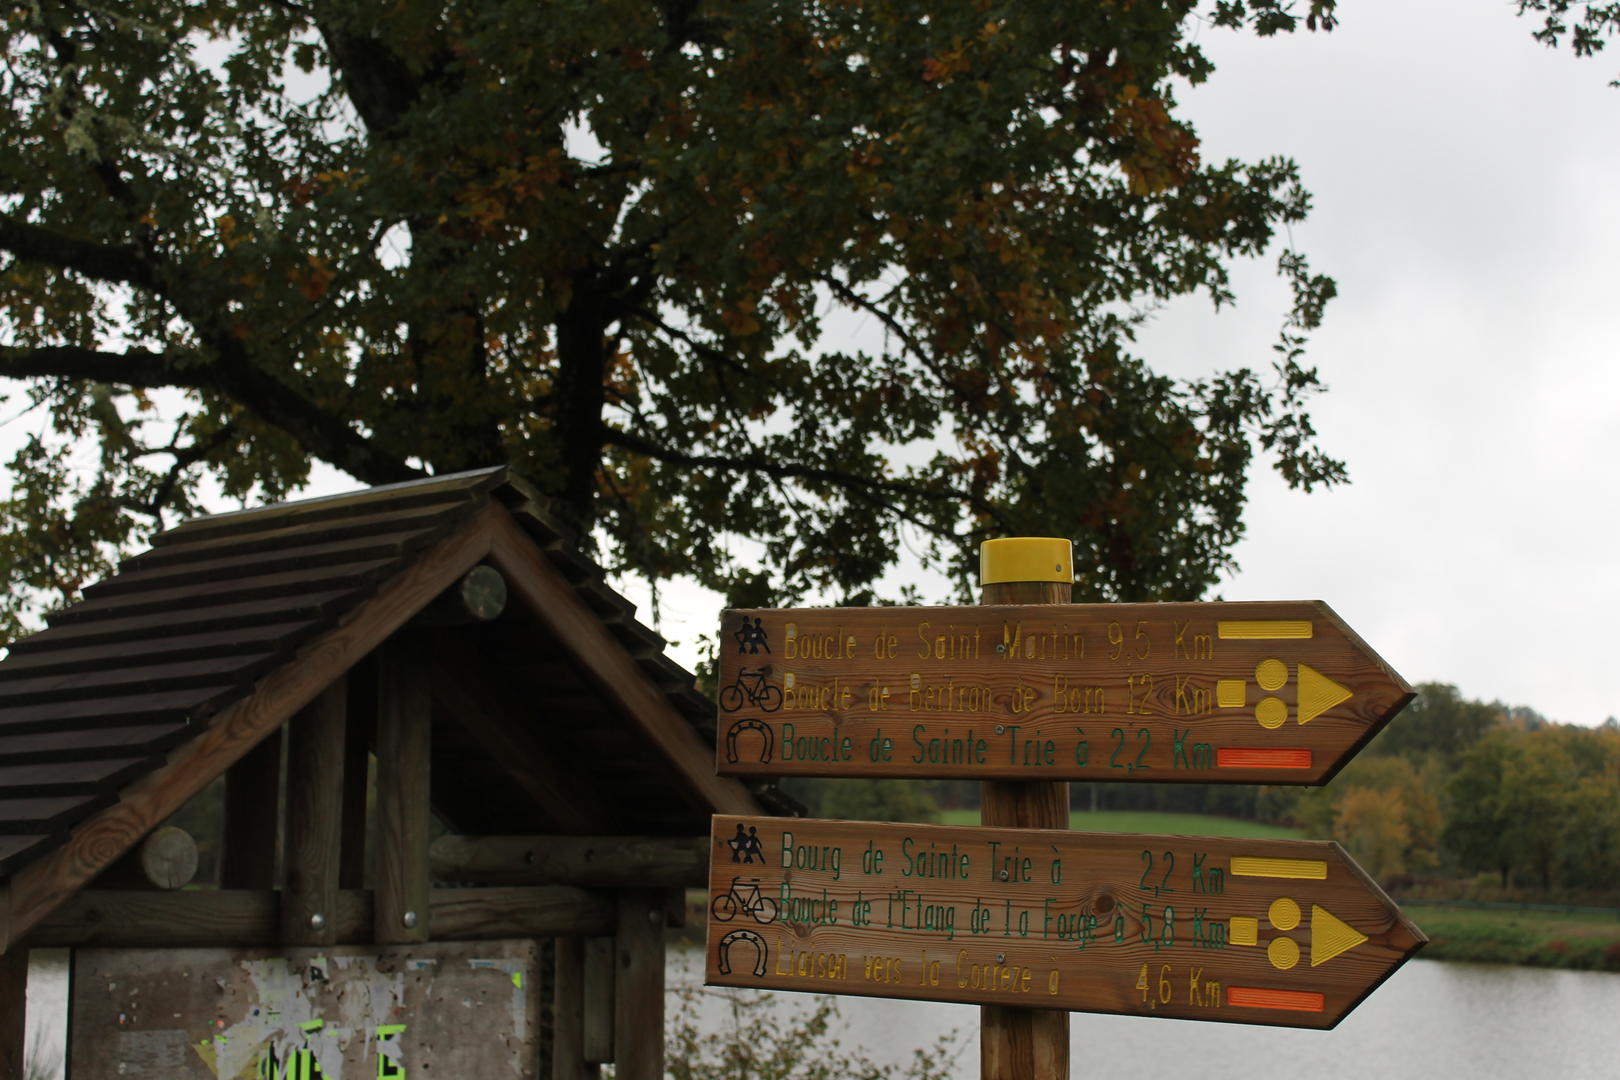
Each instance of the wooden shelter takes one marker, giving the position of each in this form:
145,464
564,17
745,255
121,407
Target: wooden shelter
363,671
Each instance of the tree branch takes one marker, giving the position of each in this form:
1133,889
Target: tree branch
139,368
860,486
114,265
325,435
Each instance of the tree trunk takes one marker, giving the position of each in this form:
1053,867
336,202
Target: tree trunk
582,369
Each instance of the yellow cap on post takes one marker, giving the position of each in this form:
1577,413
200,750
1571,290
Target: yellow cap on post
1026,558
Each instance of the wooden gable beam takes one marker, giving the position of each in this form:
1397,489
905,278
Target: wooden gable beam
40,887
620,679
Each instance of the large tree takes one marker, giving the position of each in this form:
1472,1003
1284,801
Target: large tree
623,245
1585,25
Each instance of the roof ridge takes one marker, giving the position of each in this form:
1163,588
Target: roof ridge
382,491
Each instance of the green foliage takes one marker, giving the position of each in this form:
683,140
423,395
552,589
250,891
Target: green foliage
1383,809
874,800
1439,725
1543,805
1371,825
619,245
1501,935
766,1038
1583,24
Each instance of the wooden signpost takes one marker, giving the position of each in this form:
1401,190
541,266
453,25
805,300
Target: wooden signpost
1259,693
1277,932
1024,693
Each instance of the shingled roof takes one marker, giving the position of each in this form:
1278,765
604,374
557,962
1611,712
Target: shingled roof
233,621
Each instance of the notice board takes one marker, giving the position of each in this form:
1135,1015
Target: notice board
462,1009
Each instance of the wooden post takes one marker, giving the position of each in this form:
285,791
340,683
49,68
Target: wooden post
360,727
1018,1043
314,819
13,1008
252,813
596,988
568,1013
404,718
638,987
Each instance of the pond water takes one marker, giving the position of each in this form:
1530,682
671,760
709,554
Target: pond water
1430,1020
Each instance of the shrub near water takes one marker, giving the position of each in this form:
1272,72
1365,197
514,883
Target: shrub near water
1539,939
765,1037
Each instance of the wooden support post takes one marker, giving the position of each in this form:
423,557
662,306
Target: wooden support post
360,728
1018,1043
568,1013
638,987
314,819
597,990
13,1008
252,814
404,717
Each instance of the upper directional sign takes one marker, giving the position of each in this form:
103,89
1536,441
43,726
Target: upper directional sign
1280,932
1272,693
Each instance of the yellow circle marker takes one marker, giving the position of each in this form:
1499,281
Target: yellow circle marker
1271,712
1283,953
1283,913
1026,558
1271,674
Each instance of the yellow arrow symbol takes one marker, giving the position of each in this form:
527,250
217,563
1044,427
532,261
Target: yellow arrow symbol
1330,936
1317,693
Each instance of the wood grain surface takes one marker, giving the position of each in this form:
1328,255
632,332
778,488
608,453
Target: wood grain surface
1271,693
1276,932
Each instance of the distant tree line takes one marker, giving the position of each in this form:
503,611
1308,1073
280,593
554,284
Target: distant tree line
1455,787
1451,789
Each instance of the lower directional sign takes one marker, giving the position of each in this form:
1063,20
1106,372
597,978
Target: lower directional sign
1280,932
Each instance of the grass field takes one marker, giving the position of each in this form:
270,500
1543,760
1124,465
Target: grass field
1150,821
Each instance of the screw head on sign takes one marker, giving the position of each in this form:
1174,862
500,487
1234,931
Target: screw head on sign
1001,729
1002,875
317,921
409,920
1001,958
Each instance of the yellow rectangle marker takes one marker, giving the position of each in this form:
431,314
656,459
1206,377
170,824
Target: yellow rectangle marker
1263,629
1242,930
1249,866
1231,693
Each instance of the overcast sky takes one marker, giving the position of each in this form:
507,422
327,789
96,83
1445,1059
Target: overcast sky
1465,180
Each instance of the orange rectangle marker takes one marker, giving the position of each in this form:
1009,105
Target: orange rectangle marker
1254,997
1248,757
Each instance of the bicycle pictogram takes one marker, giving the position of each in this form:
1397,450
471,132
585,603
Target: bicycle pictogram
751,687
747,899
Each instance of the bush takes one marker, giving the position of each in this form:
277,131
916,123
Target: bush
875,800
767,1038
